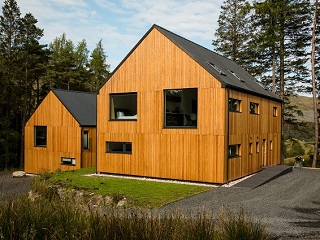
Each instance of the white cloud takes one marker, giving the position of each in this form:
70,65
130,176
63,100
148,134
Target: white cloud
121,23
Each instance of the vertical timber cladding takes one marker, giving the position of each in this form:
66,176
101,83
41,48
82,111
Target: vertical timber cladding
197,154
259,134
63,137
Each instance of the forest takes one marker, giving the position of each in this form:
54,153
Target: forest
275,40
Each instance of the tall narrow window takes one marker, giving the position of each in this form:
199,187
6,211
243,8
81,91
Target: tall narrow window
234,105
181,107
257,147
123,106
250,148
40,136
234,150
275,111
119,147
85,139
254,108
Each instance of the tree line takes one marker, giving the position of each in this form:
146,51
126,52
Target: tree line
277,42
29,69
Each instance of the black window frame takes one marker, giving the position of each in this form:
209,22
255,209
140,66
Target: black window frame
254,108
231,105
126,112
37,138
85,144
125,149
180,118
68,161
234,150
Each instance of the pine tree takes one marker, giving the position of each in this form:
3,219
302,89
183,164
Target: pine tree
99,69
232,34
10,24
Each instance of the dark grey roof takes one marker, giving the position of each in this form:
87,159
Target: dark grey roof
81,105
223,69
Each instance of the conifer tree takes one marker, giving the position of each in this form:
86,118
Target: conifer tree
99,69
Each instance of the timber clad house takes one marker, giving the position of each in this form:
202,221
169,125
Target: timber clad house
175,110
61,133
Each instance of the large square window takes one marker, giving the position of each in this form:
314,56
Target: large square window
234,105
181,107
40,136
123,106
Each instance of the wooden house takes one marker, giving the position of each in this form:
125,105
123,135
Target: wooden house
173,109
61,133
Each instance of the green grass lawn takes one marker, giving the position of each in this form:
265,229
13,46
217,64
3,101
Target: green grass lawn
140,193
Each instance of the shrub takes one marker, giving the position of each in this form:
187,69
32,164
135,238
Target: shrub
296,149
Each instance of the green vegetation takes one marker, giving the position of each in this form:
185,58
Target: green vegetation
55,219
140,193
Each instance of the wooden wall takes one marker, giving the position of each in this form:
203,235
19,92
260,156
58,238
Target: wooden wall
261,130
186,154
63,138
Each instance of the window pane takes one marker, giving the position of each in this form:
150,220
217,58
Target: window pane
254,108
40,135
123,106
234,105
85,140
234,150
181,107
119,147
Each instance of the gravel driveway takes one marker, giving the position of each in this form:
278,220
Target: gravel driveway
11,187
288,206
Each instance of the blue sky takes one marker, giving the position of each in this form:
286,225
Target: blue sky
121,24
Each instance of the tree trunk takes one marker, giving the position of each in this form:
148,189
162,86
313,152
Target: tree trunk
314,87
282,93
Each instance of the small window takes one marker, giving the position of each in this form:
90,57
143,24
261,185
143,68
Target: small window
257,147
234,150
234,105
123,106
250,148
85,139
119,147
40,136
68,161
275,111
254,108
181,107
271,145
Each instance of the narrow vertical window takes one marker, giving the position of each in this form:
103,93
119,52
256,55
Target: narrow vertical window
275,111
257,147
85,139
234,105
250,148
271,145
40,136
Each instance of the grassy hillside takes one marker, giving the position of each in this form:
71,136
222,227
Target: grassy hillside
305,104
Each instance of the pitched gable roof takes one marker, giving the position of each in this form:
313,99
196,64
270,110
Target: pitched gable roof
81,105
223,69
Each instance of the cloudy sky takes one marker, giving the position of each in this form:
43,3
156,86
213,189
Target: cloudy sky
122,23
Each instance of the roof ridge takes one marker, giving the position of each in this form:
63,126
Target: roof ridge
72,91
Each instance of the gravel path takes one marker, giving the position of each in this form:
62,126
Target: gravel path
11,187
288,206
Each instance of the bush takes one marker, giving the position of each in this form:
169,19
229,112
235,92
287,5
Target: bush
296,149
